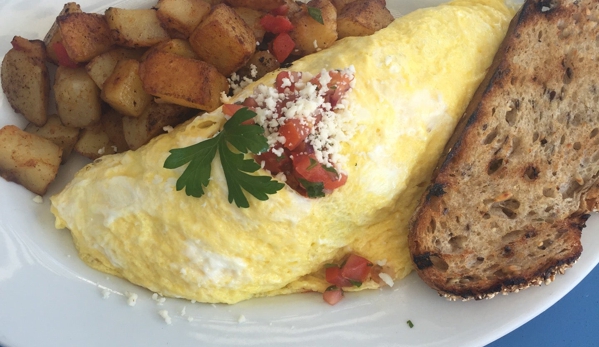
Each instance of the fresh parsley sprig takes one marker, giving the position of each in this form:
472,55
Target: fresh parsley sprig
244,138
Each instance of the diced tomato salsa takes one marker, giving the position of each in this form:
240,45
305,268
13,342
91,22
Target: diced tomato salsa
296,157
353,272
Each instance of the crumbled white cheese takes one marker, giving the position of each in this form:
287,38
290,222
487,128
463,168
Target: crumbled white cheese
241,319
105,293
381,262
114,149
224,98
387,279
190,319
183,311
165,316
102,150
38,199
253,70
334,127
158,298
168,128
131,298
315,43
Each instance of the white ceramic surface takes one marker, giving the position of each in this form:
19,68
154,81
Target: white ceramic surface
48,297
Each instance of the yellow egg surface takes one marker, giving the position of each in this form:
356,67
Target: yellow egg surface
413,81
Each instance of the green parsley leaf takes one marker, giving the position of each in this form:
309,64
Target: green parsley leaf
316,14
355,283
328,265
243,138
312,165
314,189
410,324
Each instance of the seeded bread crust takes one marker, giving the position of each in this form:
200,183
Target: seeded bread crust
507,203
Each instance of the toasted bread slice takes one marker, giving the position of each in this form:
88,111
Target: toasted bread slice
592,198
507,204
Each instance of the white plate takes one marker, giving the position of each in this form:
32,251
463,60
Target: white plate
49,297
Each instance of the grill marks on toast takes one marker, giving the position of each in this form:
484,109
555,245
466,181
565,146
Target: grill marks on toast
507,203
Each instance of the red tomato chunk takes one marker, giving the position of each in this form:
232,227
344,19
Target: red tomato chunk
332,295
276,24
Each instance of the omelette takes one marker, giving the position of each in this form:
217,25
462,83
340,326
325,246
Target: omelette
412,82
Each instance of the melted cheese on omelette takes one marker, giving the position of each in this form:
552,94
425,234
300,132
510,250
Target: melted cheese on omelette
413,81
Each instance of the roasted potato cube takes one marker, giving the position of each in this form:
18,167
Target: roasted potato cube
124,91
25,80
112,121
94,142
252,17
363,17
29,160
77,97
135,28
261,63
340,4
84,35
53,36
140,130
214,2
261,5
309,35
175,46
63,136
103,65
181,17
224,40
182,81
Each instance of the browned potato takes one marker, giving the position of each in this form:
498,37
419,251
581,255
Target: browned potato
53,36
175,46
181,17
25,80
63,136
77,97
363,17
124,90
94,142
135,28
102,66
29,160
224,40
140,130
214,2
252,17
261,63
112,121
84,35
182,81
262,5
309,35
340,4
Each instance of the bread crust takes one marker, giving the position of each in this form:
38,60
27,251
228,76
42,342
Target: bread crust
507,202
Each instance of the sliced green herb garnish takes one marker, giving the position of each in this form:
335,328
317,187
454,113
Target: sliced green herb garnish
313,189
355,283
330,169
245,139
328,265
410,324
312,165
316,14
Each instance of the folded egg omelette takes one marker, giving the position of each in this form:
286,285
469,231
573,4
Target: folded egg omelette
413,80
